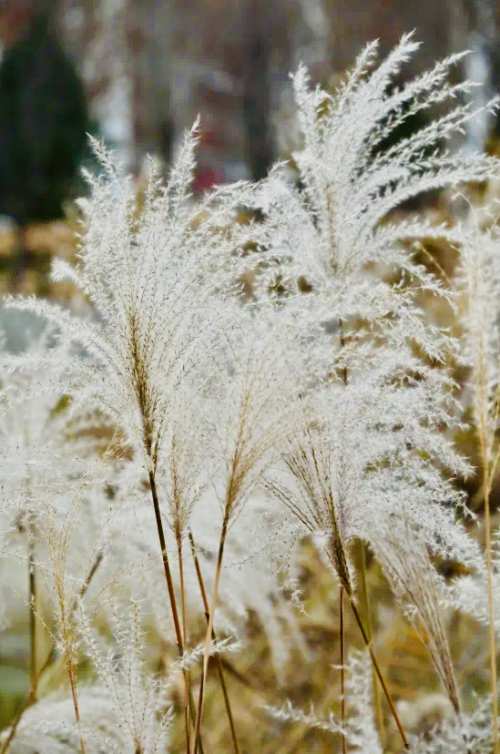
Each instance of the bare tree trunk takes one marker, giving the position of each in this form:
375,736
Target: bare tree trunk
148,43
480,18
257,90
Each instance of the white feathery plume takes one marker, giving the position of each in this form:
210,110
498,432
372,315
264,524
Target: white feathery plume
360,731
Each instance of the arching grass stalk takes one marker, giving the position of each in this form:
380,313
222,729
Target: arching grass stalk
414,581
74,694
256,419
338,557
364,586
307,491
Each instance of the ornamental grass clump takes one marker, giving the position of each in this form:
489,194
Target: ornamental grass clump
204,438
383,389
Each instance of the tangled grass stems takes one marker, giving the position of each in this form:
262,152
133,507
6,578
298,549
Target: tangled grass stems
488,472
209,632
308,492
218,659
260,413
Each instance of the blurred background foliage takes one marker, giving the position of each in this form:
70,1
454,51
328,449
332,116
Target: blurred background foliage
147,68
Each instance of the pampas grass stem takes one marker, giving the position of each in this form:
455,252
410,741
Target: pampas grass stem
379,673
369,630
30,697
220,669
187,706
491,612
210,628
171,594
33,589
343,716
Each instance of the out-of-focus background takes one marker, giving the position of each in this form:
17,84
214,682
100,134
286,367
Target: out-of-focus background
150,66
136,73
147,68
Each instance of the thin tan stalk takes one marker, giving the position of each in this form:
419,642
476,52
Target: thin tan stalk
491,612
307,466
166,564
27,701
367,635
210,628
343,716
345,377
30,697
187,706
81,594
85,586
33,589
74,694
485,443
220,670
369,630
171,593
183,595
379,673
67,639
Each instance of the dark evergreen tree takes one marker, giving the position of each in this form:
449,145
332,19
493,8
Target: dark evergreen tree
43,124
